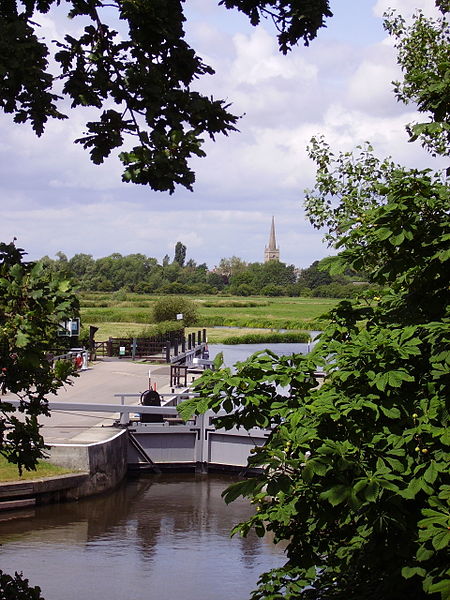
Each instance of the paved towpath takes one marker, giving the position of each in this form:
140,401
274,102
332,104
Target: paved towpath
98,385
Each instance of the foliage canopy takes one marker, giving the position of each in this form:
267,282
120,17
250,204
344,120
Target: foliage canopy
32,304
355,474
132,65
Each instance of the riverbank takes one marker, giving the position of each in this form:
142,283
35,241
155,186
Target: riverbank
9,471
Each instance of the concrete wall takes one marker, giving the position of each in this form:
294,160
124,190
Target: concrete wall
104,462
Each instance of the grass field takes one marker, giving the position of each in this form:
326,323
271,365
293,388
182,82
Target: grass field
126,315
8,471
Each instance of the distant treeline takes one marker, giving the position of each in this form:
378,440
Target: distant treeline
143,274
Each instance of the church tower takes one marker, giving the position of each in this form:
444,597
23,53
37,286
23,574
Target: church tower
271,251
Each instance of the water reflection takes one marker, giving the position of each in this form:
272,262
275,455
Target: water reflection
162,537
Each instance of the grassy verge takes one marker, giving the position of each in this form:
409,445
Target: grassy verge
269,338
108,329
219,335
8,471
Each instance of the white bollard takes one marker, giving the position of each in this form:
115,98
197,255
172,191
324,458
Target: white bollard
84,366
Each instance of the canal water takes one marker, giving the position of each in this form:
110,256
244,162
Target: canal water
239,352
158,537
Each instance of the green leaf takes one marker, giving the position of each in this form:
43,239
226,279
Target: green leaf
409,572
424,554
414,487
392,413
441,539
312,467
22,339
336,495
397,240
218,361
442,587
383,233
241,488
431,473
371,491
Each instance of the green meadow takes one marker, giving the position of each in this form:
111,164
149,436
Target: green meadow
118,314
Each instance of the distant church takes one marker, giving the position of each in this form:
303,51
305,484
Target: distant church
271,251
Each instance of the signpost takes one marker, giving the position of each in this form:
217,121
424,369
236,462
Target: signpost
69,328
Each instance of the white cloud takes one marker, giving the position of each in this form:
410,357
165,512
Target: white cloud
258,60
54,199
369,87
405,7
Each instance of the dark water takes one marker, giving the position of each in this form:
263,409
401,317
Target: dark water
158,537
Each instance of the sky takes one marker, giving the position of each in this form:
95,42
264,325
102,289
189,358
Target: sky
53,199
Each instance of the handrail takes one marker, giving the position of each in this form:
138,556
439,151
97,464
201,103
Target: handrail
180,396
123,409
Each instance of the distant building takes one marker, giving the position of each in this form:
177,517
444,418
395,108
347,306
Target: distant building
271,251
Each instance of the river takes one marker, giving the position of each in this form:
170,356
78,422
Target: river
158,537
239,352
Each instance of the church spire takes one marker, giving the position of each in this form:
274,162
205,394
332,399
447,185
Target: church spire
271,251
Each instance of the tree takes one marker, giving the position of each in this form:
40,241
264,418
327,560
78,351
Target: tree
312,277
180,254
230,266
423,57
33,301
167,309
17,588
32,304
82,265
277,273
355,473
132,64
166,260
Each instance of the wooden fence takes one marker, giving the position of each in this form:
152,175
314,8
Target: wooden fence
159,347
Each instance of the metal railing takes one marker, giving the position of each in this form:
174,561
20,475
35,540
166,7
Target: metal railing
173,442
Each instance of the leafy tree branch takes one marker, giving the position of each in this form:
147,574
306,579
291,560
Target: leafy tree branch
32,303
140,82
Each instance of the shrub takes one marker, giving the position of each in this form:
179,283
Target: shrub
168,307
273,290
269,338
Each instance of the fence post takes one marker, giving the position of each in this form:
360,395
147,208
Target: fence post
204,336
199,337
124,418
109,347
183,345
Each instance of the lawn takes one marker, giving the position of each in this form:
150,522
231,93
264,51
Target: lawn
9,472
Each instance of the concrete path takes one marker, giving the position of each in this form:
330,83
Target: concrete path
98,385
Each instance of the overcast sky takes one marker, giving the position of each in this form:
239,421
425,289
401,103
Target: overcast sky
54,199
